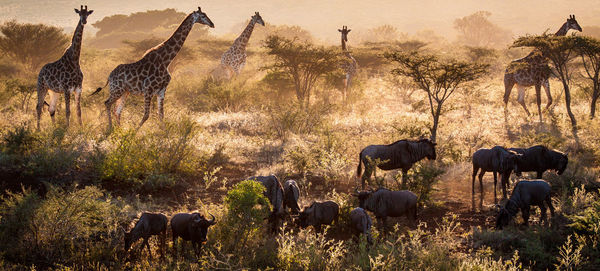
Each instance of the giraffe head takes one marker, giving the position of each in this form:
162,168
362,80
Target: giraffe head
345,32
257,19
572,23
201,17
83,13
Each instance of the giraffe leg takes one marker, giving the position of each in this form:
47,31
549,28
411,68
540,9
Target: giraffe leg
147,101
160,103
108,103
52,105
538,99
348,85
119,108
521,98
42,90
546,86
67,107
78,103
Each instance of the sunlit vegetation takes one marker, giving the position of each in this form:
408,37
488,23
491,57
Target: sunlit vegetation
68,193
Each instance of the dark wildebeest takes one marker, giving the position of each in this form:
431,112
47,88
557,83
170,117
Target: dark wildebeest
190,227
319,213
401,154
361,222
149,224
497,160
539,159
291,193
384,203
525,194
274,193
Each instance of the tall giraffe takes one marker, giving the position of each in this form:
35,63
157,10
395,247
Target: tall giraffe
63,75
234,59
533,70
149,76
349,64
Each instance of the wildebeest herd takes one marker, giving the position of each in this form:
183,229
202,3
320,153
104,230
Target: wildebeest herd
383,203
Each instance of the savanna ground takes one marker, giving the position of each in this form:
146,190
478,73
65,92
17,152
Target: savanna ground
67,193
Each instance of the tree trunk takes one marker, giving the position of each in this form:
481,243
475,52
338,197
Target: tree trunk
436,120
571,116
595,95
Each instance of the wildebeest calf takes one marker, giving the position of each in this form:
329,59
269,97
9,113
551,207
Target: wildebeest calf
190,227
385,203
149,224
497,160
361,223
291,193
319,213
525,194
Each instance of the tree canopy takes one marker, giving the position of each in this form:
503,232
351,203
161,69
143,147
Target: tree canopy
477,30
32,45
438,77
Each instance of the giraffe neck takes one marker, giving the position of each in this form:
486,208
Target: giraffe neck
75,50
562,31
243,39
167,50
344,48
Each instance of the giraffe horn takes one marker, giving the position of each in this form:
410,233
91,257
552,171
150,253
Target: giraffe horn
81,8
85,7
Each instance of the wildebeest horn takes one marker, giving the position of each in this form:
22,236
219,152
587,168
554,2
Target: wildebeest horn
212,221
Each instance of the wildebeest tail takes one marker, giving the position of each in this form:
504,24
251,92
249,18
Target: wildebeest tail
99,89
359,167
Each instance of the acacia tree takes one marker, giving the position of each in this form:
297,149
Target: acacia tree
303,62
560,50
477,30
589,50
438,78
32,44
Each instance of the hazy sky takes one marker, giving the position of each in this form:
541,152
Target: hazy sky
323,17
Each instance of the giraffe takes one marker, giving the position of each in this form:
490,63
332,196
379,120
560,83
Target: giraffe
349,64
63,75
234,59
533,70
149,76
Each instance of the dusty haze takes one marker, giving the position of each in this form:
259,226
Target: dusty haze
322,18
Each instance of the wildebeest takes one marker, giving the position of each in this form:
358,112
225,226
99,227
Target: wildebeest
497,160
384,203
319,213
190,227
525,194
539,159
149,224
361,223
401,154
273,192
291,193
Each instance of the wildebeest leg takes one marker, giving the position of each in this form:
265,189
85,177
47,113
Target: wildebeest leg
481,173
404,176
475,169
525,214
504,177
148,246
174,246
163,243
367,174
539,174
538,99
549,202
381,221
543,213
495,183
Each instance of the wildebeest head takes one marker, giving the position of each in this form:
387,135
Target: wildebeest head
503,218
561,165
362,196
429,148
199,226
303,219
510,161
128,238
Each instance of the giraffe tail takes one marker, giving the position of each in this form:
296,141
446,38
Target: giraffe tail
99,89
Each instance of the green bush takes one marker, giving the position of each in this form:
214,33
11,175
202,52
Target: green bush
212,95
64,228
154,161
283,120
421,180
